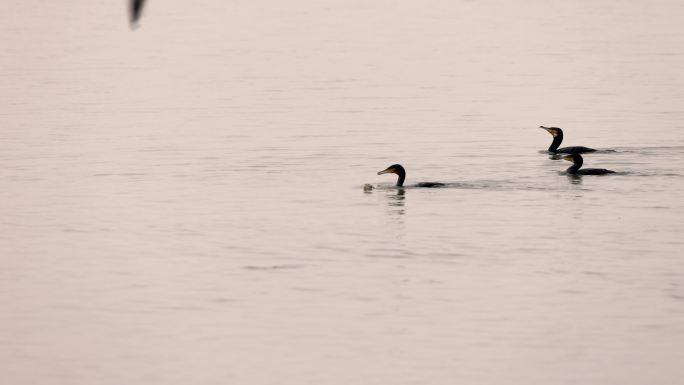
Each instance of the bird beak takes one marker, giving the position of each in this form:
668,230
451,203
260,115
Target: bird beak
549,130
386,171
569,158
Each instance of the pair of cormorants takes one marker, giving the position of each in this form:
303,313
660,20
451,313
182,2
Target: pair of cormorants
574,157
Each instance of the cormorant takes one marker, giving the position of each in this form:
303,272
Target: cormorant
135,8
399,170
577,161
558,138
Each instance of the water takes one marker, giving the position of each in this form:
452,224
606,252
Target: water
184,203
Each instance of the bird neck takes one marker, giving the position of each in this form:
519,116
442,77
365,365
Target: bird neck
576,164
556,142
400,179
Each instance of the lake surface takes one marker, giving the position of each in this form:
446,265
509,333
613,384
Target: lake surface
184,203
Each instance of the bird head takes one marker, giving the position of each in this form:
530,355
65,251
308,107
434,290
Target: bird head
393,169
554,131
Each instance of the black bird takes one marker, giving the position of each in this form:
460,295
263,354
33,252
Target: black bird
577,161
558,138
135,8
399,170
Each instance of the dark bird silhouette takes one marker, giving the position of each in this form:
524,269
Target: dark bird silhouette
557,134
576,169
135,11
401,173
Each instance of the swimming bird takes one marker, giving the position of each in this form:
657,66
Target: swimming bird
135,9
577,161
401,173
557,134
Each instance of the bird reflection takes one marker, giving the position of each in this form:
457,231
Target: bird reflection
396,201
574,178
135,11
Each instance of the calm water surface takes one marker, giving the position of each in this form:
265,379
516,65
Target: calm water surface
184,204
